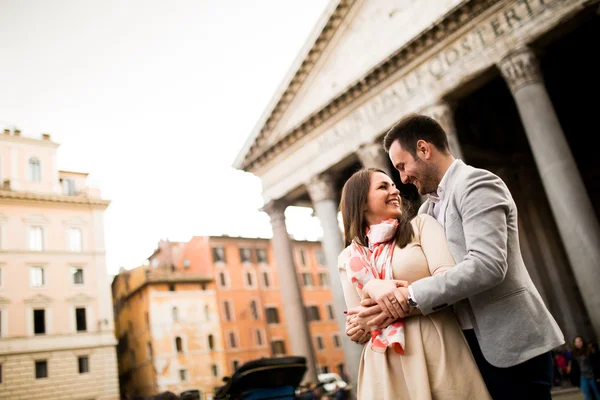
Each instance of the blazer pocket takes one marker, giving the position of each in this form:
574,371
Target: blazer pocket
508,295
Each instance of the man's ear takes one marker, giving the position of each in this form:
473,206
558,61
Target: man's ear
423,149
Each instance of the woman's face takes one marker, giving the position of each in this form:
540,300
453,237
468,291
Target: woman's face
383,200
578,343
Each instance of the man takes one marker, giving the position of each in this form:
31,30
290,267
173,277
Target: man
508,328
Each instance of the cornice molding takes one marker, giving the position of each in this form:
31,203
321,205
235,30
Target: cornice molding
455,19
51,198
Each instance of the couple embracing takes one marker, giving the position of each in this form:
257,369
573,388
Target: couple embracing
442,302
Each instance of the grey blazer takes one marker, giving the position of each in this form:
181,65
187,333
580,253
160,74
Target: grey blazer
510,320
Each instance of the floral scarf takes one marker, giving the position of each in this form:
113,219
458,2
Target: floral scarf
375,262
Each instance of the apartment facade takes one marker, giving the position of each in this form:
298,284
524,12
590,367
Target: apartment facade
56,322
201,309
167,324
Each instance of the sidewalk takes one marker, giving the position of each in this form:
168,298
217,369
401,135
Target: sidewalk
568,393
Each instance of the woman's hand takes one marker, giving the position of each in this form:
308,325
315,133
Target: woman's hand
356,332
386,294
364,314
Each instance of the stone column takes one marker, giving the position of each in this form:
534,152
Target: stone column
322,193
291,295
372,155
443,113
570,204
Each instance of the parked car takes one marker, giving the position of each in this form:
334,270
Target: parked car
329,380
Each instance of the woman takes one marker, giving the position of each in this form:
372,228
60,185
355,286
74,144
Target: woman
421,357
583,368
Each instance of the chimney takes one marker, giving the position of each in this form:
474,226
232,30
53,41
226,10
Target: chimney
6,184
6,131
17,132
46,136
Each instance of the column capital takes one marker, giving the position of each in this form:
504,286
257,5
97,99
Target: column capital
373,155
321,187
443,113
275,209
520,68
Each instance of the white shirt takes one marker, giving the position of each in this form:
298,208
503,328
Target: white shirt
440,204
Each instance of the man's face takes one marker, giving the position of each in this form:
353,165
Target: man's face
419,171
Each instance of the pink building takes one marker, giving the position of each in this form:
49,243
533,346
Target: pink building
56,320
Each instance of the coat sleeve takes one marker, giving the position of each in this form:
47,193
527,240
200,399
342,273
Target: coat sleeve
350,291
484,203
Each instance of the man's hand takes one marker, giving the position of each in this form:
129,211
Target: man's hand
389,296
379,318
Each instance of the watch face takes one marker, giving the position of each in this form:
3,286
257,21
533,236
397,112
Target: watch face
411,302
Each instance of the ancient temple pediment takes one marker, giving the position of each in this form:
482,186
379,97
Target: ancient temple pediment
38,299
376,29
80,298
358,36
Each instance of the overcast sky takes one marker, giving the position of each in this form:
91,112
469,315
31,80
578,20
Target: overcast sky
154,99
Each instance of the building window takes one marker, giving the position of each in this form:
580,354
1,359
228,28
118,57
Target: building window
232,341
312,313
223,279
149,350
341,371
261,256
39,322
77,274
245,255
227,310
218,254
175,314
272,315
325,369
68,186
302,257
254,310
235,364
266,279
147,318
320,345
80,319
41,369
36,238
206,313
211,342
84,364
171,287
321,258
278,347
35,170
186,264
259,338
183,375
330,312
323,279
336,341
178,344
249,280
215,370
37,277
75,240
307,279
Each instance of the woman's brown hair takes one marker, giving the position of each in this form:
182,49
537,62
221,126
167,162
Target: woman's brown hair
354,203
584,350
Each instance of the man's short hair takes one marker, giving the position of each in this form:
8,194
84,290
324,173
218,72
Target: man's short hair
414,127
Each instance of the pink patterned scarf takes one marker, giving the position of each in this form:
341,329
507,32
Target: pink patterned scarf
375,262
